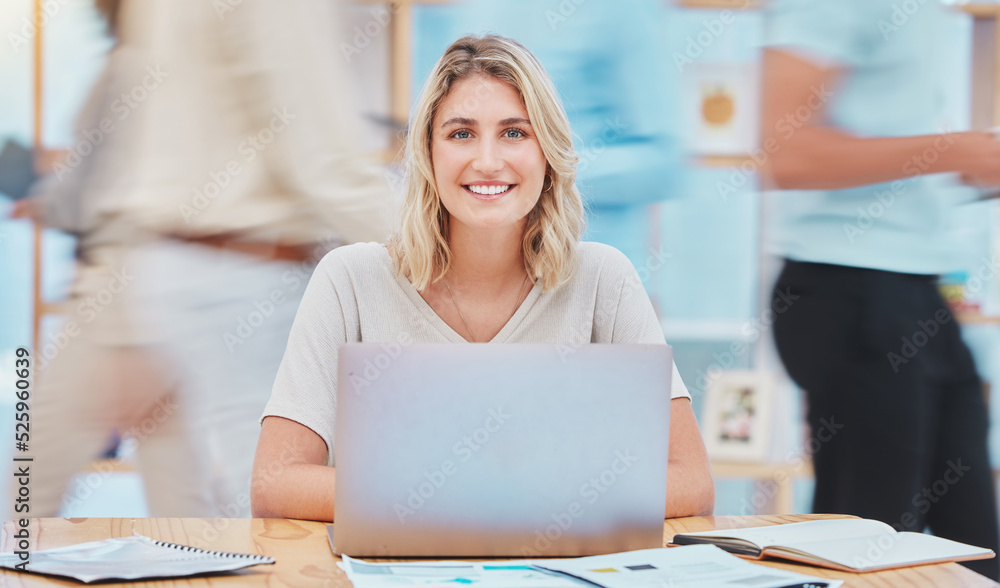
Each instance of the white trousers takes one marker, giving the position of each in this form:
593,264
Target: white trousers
182,357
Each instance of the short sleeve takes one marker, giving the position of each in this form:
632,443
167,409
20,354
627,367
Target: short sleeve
825,32
634,319
305,388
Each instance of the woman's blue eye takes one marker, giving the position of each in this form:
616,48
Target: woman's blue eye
461,134
514,133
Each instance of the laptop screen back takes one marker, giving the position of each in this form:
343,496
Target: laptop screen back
501,450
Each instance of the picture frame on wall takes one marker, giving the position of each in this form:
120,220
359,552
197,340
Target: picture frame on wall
720,108
736,423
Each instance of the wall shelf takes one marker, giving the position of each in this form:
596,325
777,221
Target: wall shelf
721,4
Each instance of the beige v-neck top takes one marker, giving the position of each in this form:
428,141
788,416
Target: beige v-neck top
355,294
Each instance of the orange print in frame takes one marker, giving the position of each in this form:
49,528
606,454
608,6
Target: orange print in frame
717,105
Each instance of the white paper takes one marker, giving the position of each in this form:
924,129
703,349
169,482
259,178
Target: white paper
693,566
678,567
485,574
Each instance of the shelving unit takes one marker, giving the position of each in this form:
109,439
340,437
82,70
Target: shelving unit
721,4
38,305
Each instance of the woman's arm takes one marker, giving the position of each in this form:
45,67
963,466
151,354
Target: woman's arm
690,488
805,152
290,478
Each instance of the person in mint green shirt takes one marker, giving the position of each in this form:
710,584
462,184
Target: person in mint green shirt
853,122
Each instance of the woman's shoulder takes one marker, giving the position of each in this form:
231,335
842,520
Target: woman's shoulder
601,260
593,250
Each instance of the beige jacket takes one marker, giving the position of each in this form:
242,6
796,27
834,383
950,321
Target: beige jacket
215,121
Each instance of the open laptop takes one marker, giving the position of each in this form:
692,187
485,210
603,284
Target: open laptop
499,450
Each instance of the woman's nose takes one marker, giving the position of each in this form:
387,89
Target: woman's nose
487,160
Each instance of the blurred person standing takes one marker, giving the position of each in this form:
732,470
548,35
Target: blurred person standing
228,166
852,117
607,61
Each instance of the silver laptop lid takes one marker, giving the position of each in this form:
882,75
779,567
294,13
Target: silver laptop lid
449,450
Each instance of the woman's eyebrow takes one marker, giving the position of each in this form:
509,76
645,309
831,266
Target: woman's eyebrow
457,120
515,121
468,122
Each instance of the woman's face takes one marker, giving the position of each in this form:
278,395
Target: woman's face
488,165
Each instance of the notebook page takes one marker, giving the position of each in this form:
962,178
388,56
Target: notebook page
879,551
793,533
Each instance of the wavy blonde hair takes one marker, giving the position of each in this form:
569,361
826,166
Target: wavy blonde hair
548,248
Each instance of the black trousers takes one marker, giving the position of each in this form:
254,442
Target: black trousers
894,401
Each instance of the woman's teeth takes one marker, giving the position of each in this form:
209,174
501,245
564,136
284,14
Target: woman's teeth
489,190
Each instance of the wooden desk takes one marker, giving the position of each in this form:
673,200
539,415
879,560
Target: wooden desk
304,558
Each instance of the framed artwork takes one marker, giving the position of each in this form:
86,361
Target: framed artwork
720,108
737,417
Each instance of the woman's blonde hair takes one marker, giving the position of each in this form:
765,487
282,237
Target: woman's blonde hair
420,244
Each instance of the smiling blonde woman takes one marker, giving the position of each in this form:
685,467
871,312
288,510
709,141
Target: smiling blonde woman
487,250
553,228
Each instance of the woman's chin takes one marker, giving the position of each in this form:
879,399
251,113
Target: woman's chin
491,224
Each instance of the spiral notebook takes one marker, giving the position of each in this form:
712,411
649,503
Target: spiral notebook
128,558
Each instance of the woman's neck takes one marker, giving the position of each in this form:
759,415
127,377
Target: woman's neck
486,260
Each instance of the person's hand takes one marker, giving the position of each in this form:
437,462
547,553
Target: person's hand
29,208
975,155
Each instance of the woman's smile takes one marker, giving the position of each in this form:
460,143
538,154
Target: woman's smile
488,191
